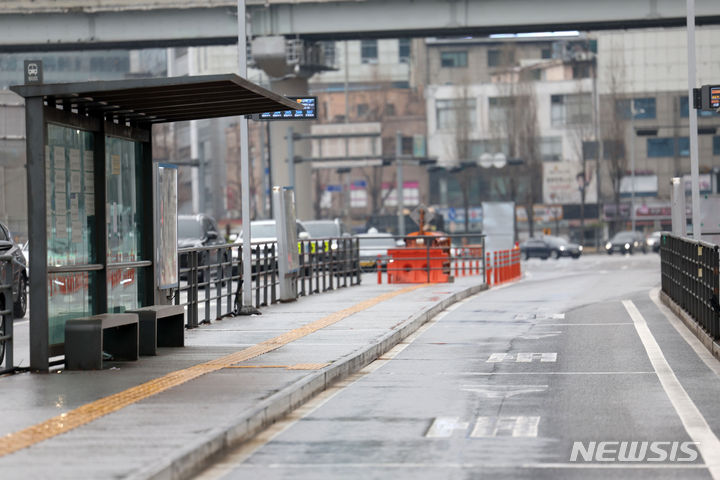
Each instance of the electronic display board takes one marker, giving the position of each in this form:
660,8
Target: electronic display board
709,98
307,111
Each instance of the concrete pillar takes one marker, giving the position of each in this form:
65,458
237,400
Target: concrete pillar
290,87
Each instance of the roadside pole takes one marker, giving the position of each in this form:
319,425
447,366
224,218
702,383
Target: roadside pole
399,178
694,169
246,308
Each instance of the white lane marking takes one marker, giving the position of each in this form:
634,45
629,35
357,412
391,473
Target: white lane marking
529,357
505,426
503,391
245,450
522,357
702,352
693,421
606,324
443,427
539,316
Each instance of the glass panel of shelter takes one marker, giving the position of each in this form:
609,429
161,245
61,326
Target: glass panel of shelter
124,222
71,229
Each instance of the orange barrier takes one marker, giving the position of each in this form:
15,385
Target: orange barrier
505,266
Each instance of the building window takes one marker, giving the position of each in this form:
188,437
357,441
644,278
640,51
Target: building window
499,58
575,109
550,149
590,150
456,59
500,109
546,53
716,145
581,70
491,146
362,109
390,109
451,113
369,51
644,108
328,51
404,50
685,111
668,146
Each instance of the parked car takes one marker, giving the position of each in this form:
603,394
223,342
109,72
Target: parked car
19,273
653,241
626,242
374,245
325,228
548,246
195,231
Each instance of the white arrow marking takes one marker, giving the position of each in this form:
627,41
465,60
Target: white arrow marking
443,427
503,391
538,336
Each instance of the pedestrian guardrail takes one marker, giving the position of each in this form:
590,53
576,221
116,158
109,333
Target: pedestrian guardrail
327,264
689,270
432,258
6,314
211,277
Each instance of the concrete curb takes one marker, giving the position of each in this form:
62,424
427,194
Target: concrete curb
712,346
189,461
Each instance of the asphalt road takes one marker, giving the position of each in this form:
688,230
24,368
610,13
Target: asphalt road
505,385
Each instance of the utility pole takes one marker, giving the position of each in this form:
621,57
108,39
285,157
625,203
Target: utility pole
399,177
247,308
692,113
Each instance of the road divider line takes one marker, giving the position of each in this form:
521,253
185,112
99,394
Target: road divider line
691,418
92,411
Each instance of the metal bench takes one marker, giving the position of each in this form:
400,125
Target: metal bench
160,326
87,338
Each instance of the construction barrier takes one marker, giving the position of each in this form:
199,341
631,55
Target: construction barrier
503,266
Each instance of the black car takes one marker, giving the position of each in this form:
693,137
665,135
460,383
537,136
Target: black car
548,246
626,242
20,274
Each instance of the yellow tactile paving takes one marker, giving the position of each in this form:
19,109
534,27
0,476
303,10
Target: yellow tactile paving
65,422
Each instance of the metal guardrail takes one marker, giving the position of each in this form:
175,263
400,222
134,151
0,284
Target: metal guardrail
211,277
327,264
689,270
6,314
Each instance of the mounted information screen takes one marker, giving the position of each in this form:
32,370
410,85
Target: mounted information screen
307,111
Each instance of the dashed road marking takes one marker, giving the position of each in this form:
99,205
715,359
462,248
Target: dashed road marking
444,427
505,426
522,357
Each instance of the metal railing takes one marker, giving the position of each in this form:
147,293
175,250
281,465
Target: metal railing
211,277
327,264
689,270
6,314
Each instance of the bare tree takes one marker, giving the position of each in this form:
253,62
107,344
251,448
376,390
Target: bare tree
613,120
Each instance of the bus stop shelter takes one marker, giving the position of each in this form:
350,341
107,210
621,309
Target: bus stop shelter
91,193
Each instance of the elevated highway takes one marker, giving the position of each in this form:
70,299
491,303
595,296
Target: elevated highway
44,25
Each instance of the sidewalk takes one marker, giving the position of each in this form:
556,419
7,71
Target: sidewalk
164,416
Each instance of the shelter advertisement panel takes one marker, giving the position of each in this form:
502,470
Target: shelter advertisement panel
166,254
